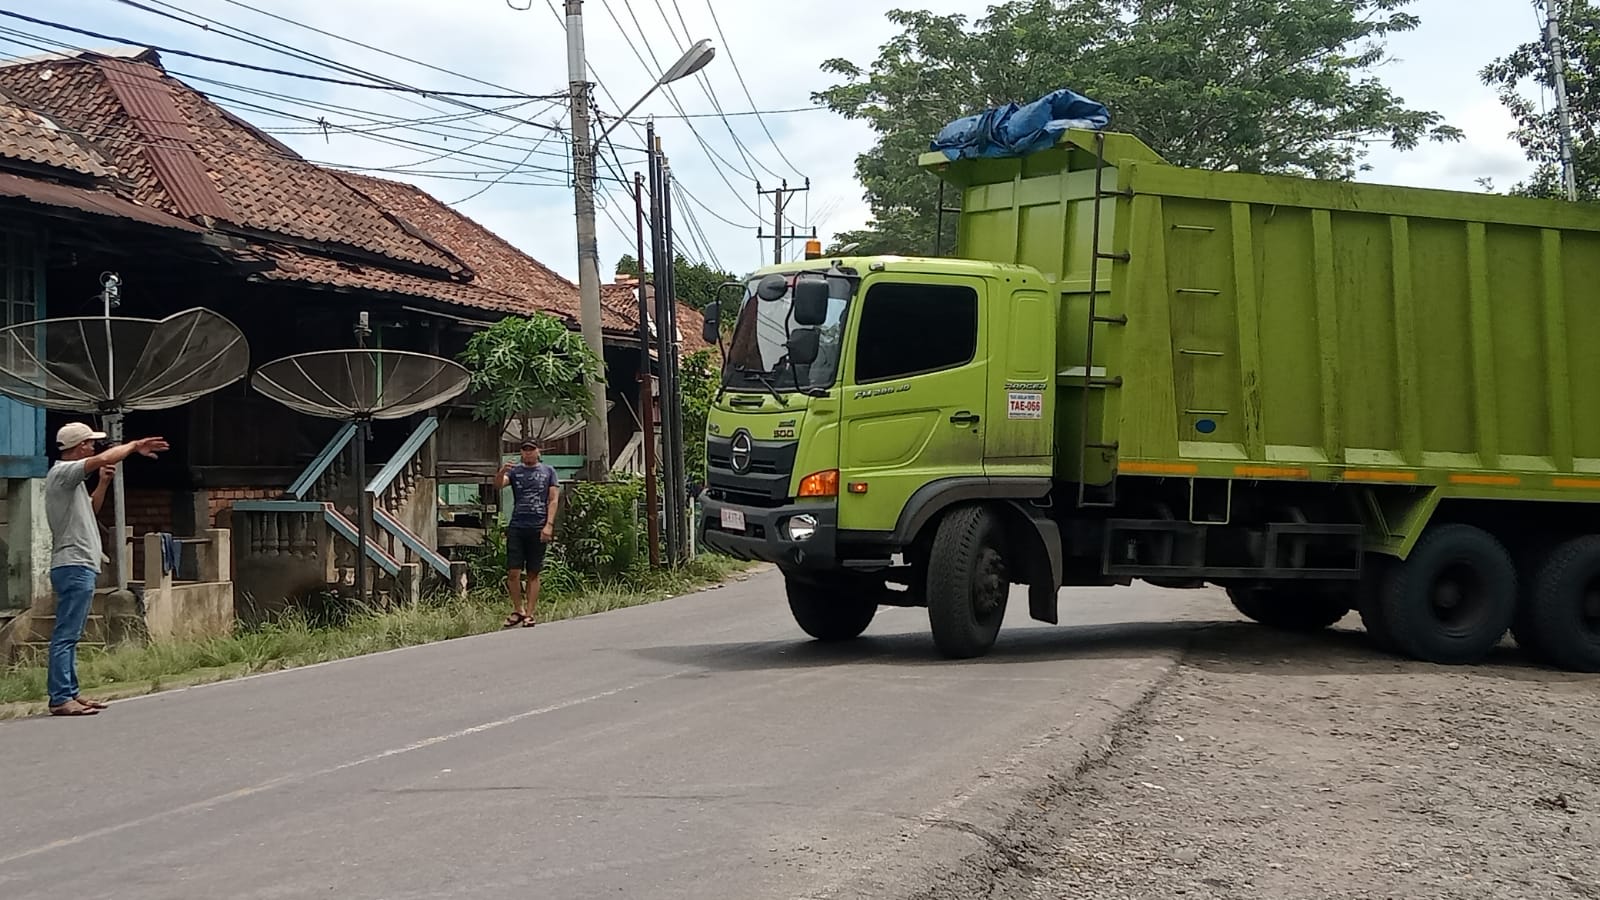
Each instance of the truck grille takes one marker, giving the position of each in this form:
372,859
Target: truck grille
764,483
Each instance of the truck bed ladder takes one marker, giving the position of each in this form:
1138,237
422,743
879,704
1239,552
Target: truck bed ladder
1100,496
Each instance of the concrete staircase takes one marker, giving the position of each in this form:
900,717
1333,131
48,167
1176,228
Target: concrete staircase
113,619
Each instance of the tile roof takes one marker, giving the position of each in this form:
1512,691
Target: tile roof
187,156
496,265
26,136
88,200
621,300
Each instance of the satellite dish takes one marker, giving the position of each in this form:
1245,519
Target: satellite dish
111,366
360,386
105,365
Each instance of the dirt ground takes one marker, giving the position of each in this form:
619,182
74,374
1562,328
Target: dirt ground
1280,766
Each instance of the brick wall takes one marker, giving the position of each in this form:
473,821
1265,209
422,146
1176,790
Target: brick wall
157,510
221,500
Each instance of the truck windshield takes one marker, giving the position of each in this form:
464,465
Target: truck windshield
757,355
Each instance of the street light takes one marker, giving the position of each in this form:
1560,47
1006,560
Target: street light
596,437
693,60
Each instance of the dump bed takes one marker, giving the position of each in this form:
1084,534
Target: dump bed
1290,328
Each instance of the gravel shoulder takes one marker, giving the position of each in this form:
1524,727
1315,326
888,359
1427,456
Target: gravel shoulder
1275,766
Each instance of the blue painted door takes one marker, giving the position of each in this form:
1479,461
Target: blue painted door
21,300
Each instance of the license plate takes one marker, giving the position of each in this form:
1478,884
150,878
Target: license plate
733,519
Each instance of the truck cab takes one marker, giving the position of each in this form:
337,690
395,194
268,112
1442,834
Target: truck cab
862,396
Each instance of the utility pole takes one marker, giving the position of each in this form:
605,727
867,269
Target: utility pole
667,321
647,406
780,202
662,265
1558,75
597,441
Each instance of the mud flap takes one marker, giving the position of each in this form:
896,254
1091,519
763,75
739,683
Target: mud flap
1044,582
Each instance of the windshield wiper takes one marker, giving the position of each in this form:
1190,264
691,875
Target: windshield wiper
761,377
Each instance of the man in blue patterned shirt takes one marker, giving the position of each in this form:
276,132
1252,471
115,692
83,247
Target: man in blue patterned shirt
535,499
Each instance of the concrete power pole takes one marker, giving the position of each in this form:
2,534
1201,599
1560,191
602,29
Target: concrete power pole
597,440
1558,74
780,202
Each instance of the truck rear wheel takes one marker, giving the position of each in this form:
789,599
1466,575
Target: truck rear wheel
1291,607
968,582
830,609
1453,598
1560,619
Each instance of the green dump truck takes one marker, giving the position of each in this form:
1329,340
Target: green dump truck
1321,397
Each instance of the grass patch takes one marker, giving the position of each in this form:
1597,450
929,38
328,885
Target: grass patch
294,641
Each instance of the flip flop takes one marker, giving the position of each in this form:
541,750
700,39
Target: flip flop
528,622
92,704
71,709
514,620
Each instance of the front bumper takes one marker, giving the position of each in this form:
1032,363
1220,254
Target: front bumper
763,536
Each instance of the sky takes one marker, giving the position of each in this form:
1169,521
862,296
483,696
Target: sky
768,58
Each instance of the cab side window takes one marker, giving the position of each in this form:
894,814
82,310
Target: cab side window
913,329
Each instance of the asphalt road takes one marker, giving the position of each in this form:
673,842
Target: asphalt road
693,748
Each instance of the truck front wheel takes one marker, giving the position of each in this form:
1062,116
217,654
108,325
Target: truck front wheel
968,582
1291,608
830,609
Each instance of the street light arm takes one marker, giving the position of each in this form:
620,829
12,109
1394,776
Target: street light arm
623,118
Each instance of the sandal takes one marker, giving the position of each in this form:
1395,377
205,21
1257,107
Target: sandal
514,620
73,708
528,622
92,704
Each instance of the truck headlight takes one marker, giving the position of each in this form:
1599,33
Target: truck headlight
801,527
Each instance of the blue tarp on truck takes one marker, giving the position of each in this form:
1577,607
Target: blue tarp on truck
1020,129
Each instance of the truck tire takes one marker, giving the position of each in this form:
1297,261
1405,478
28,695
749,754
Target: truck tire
967,582
830,609
1291,608
1453,598
1561,615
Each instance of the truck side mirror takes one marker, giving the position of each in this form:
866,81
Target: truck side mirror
711,328
772,287
810,302
803,346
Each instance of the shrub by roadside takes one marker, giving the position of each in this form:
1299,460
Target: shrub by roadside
293,641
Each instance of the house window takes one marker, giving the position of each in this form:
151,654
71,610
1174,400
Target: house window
19,287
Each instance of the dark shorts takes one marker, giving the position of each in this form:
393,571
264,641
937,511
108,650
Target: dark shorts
524,549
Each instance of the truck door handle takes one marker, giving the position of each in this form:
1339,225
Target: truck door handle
964,418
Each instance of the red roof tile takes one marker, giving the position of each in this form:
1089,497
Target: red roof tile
28,137
164,136
88,200
496,265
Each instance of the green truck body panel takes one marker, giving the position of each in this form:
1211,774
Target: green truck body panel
1288,328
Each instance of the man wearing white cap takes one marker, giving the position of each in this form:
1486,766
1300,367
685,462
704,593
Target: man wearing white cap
75,550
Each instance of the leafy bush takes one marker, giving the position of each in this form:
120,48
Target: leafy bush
699,381
597,534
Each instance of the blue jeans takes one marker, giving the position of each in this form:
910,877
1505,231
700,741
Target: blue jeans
74,594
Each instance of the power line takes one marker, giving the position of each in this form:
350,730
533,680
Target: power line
710,91
268,69
499,178
727,46
672,95
324,124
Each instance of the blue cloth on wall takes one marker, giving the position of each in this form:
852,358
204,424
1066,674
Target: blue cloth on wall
170,550
1017,130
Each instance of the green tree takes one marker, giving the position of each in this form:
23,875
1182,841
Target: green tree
699,379
523,367
1538,127
1280,86
695,283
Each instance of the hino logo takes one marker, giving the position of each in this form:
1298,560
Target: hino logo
739,451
